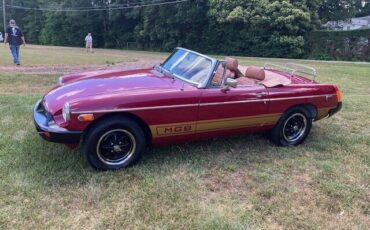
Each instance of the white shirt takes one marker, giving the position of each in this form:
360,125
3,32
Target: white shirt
88,38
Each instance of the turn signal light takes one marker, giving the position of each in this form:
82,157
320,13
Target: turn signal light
339,94
86,117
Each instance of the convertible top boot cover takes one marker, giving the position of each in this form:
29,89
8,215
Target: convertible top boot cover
265,77
273,79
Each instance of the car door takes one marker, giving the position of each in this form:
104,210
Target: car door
232,111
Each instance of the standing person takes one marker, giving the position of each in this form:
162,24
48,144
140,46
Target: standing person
14,36
89,43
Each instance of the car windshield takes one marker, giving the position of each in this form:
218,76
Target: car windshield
188,66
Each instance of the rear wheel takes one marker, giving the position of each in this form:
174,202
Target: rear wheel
292,128
115,143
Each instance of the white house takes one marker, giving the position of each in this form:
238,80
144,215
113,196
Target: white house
352,24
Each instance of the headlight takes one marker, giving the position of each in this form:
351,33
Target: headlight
66,112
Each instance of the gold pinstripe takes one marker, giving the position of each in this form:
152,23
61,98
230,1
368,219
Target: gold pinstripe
183,128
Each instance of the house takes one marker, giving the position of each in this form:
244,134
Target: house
352,24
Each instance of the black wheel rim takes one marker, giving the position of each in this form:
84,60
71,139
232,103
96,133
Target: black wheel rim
295,127
116,147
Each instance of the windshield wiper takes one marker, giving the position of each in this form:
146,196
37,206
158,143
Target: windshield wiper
158,68
162,70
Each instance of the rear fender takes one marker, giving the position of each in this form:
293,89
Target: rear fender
311,109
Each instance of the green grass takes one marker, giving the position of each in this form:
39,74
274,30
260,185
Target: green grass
240,182
52,55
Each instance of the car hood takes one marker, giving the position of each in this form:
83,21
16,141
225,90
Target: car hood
105,84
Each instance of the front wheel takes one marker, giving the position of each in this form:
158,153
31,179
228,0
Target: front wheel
115,143
292,128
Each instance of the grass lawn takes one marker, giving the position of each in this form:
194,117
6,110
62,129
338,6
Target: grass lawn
53,55
233,183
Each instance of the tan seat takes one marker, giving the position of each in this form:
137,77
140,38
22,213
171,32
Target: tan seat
251,76
245,81
231,64
231,70
256,73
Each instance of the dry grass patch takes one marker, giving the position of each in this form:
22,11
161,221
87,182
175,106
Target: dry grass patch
26,84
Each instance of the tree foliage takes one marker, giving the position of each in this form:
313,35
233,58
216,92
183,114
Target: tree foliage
365,10
340,45
336,10
272,28
266,28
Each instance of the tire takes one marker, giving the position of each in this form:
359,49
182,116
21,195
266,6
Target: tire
292,128
114,143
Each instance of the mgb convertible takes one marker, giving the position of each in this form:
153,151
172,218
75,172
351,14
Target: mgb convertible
190,96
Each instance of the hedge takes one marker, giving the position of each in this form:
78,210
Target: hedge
340,45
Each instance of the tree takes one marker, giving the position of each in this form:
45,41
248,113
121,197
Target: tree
337,10
173,25
272,28
365,10
264,28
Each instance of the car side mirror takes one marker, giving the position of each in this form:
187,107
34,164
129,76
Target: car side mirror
225,88
231,82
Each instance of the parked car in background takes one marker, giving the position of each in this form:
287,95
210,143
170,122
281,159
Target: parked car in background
190,96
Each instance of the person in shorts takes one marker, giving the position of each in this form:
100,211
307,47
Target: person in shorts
89,43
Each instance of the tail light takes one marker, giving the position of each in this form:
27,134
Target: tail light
338,93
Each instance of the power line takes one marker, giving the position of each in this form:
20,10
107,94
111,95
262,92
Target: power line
128,3
94,6
101,8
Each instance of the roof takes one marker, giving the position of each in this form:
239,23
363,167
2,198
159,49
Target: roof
359,22
363,18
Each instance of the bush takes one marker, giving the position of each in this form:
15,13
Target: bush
340,45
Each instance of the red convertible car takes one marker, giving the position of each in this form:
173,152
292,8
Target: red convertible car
190,96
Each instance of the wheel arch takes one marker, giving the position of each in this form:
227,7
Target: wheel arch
135,118
311,109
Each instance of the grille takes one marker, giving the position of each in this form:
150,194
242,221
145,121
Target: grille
41,109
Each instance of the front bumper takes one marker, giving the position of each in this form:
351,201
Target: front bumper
335,110
49,130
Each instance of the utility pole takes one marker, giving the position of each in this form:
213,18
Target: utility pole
4,16
109,2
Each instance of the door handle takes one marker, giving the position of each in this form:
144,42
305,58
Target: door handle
261,94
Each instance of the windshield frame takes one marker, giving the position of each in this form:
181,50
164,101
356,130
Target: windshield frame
197,84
